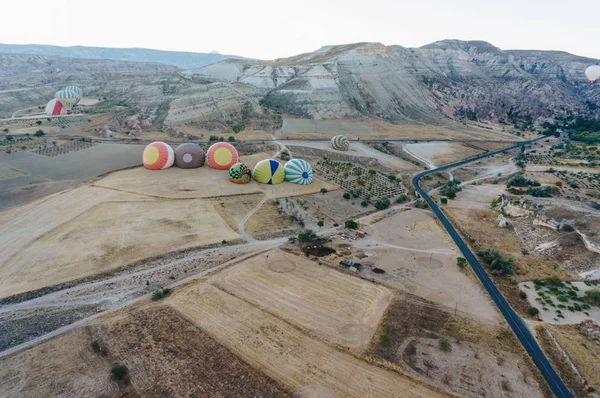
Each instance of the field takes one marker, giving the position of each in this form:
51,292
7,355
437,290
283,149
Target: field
336,307
89,230
334,206
301,363
441,153
322,126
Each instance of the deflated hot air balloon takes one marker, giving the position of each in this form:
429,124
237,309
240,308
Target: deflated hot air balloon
593,73
158,156
55,108
189,156
340,143
221,156
298,171
77,91
268,171
239,173
67,98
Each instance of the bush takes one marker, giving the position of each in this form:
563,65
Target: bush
450,188
213,138
385,340
231,138
401,199
364,203
320,223
38,122
119,372
592,297
307,235
382,204
532,311
9,137
351,224
444,344
158,294
39,133
323,191
346,195
522,295
224,242
461,262
237,128
519,180
545,192
498,266
444,201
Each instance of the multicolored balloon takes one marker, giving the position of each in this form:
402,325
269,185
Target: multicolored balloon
189,156
221,156
55,108
67,98
340,143
593,73
269,171
298,171
158,156
77,91
239,173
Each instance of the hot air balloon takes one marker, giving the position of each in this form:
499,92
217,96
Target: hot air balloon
298,171
221,156
55,108
593,73
189,156
340,143
67,98
158,156
268,171
239,173
77,91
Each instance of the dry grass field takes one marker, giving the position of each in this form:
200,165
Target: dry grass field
301,363
339,308
441,153
267,218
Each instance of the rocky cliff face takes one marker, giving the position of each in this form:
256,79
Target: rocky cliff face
447,79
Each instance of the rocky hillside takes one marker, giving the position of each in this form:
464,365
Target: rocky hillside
446,79
175,58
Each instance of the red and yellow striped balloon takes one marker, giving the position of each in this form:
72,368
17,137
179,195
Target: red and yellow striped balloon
221,156
158,156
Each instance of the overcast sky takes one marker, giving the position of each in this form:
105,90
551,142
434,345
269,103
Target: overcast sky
274,29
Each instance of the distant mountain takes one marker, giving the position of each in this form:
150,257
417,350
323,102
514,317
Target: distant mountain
183,60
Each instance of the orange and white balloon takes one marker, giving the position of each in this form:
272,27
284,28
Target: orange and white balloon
158,156
221,156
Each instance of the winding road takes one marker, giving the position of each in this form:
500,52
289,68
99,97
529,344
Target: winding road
512,318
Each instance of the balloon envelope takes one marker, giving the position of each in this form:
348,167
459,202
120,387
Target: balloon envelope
593,73
340,143
298,171
221,156
77,91
55,108
268,171
239,173
67,98
158,156
189,156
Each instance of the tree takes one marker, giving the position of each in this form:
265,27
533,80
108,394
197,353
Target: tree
592,297
401,199
461,262
498,266
532,311
10,137
444,201
119,372
39,133
382,204
351,224
158,294
237,128
346,195
38,122
364,203
221,139
323,191
320,223
231,138
307,235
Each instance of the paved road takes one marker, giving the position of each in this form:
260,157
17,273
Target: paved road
515,322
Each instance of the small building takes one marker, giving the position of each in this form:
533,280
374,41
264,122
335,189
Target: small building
360,234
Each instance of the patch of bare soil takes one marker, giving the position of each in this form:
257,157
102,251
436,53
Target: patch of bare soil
478,361
168,356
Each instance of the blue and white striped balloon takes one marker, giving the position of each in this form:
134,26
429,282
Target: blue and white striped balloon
298,171
340,143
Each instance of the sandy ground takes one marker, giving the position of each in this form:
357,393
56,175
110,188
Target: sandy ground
291,125
478,196
549,315
419,257
440,153
88,230
267,218
285,353
6,173
337,307
286,190
176,183
62,367
334,206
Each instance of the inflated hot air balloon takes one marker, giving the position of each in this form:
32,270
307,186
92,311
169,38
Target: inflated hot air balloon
221,156
67,98
340,143
77,91
268,171
55,108
239,173
189,156
593,73
298,171
158,156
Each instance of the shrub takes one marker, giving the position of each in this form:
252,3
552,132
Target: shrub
385,340
461,262
224,242
364,203
522,295
158,294
231,138
444,201
351,224
346,195
323,191
401,199
39,133
237,128
532,311
519,180
382,204
498,266
307,235
119,372
592,297
320,223
450,188
444,344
